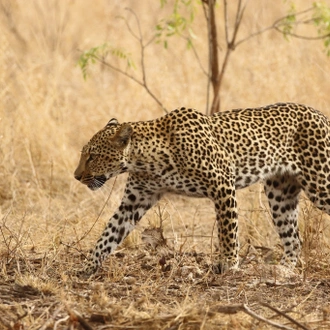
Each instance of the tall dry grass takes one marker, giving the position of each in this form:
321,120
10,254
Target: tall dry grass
48,111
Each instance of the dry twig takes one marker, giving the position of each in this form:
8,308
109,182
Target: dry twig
233,309
284,315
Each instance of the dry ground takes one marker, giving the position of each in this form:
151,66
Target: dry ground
48,221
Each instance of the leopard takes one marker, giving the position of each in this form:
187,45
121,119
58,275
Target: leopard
284,146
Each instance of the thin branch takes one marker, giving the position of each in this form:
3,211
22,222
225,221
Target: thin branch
99,59
196,54
142,49
238,19
276,28
131,31
102,61
240,15
301,36
261,318
226,21
284,315
296,14
232,309
150,41
278,23
143,45
252,35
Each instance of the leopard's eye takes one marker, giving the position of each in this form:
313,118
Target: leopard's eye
91,157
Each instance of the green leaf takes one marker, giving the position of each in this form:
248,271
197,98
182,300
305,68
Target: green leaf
96,54
321,19
287,24
189,44
179,21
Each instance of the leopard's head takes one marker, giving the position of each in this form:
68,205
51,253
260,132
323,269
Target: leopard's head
103,156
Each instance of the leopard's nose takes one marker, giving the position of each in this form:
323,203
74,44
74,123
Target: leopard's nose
78,177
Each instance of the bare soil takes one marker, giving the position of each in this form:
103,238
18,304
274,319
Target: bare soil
155,287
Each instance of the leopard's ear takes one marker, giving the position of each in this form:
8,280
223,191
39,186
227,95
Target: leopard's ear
112,122
122,137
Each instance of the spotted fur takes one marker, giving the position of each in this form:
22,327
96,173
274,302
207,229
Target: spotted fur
285,145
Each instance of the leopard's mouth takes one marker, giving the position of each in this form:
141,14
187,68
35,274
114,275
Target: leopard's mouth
96,182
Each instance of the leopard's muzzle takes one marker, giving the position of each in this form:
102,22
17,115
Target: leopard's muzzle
92,182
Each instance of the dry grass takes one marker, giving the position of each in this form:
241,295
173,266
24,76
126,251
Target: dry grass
47,112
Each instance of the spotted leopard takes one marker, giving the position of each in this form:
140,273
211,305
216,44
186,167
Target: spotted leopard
285,145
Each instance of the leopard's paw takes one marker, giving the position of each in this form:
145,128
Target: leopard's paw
224,265
89,268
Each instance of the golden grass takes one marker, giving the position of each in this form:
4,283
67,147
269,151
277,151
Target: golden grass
47,113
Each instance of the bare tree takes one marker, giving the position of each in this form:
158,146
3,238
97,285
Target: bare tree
318,16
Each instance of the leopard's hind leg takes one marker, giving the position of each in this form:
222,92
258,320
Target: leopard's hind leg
283,192
317,188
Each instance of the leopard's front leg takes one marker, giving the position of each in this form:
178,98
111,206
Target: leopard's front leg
226,215
135,203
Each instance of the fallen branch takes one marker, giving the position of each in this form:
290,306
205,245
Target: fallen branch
233,309
76,317
84,324
284,315
51,320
